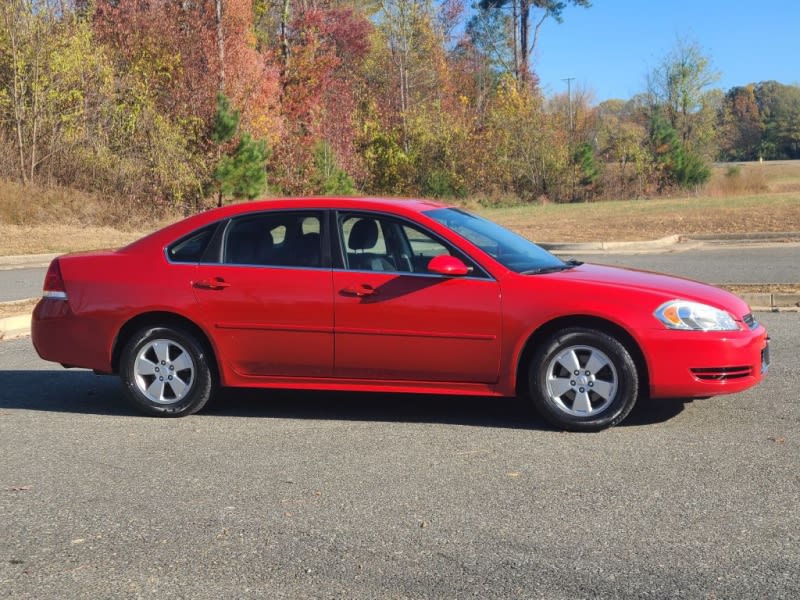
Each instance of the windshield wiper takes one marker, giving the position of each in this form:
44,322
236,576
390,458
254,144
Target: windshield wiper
553,269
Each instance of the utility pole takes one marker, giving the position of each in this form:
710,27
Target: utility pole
569,81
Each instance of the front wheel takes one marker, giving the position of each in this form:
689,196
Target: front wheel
583,380
165,372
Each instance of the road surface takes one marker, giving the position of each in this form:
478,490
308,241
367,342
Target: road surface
311,495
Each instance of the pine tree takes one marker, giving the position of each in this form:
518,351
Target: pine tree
330,179
226,121
241,173
677,165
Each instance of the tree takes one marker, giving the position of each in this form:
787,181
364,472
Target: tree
678,89
529,147
740,125
676,164
241,173
622,139
323,51
779,106
48,72
415,49
492,34
523,13
584,160
329,178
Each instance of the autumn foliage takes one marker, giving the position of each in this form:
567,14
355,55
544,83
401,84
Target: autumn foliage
400,97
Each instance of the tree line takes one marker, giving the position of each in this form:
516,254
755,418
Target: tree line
181,101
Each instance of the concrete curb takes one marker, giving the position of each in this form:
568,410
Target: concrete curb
744,238
772,302
600,247
15,327
682,241
26,261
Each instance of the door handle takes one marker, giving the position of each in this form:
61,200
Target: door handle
217,283
361,290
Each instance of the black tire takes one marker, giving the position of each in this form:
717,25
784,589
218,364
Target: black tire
165,372
583,380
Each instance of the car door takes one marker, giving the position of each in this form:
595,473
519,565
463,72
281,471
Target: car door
269,299
397,321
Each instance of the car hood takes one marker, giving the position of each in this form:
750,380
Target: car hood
665,287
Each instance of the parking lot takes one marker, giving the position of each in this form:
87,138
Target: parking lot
322,495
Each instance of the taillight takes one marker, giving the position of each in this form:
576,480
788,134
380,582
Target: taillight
54,282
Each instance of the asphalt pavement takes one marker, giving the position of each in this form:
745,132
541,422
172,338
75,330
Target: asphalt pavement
301,495
779,263
323,495
18,284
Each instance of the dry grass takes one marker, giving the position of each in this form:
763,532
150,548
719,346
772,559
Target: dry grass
36,219
739,198
21,307
755,197
763,288
45,239
652,219
33,205
731,179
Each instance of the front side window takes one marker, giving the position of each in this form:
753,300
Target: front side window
280,239
380,243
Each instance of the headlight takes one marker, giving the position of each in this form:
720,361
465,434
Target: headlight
693,316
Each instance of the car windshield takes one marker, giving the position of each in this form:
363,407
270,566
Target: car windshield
507,248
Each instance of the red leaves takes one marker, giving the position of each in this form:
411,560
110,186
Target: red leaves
326,47
171,47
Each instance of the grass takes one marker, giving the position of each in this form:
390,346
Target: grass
652,219
36,220
17,307
751,197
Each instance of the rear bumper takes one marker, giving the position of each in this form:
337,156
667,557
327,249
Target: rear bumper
59,336
697,364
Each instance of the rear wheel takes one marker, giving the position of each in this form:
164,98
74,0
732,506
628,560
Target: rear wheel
583,380
165,372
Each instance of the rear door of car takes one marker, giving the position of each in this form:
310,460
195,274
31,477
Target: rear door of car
269,298
397,321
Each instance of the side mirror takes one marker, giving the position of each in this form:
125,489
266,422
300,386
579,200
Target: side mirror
447,265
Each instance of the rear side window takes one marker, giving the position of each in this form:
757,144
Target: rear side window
192,247
279,239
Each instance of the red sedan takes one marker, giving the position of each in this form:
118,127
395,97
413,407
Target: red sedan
387,295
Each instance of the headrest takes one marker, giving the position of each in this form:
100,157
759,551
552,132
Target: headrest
364,235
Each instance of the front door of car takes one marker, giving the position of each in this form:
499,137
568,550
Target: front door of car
269,300
397,321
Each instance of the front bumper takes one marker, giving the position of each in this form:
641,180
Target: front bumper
696,364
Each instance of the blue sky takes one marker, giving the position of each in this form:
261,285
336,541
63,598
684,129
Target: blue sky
610,47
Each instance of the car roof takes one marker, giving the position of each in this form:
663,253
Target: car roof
329,202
